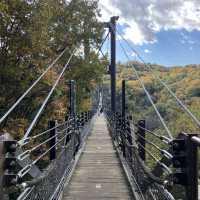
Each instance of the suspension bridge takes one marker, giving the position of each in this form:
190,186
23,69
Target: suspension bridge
100,155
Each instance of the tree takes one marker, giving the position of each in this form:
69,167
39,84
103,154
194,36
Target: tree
32,34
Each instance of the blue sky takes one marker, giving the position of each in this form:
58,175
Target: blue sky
169,50
163,32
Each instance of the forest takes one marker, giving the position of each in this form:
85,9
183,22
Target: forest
32,35
184,82
31,38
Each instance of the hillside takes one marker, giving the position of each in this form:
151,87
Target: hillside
184,81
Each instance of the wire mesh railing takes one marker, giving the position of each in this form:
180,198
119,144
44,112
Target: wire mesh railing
156,164
52,151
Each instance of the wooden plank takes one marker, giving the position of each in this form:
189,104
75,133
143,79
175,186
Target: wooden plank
98,174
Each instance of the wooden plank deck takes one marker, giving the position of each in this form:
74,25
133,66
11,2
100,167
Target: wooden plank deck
98,174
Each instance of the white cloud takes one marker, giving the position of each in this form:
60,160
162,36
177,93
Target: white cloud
134,33
107,10
147,51
146,17
133,54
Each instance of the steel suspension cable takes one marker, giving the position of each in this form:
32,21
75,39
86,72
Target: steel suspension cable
156,159
102,43
148,95
47,98
23,142
26,153
31,87
162,151
180,103
28,167
161,137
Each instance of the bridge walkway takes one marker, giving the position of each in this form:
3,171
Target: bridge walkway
98,174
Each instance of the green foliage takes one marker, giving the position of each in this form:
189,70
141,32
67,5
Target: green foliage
32,34
184,81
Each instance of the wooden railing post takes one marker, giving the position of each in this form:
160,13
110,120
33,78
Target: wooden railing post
123,117
185,157
129,138
52,134
141,140
192,190
8,176
85,117
82,119
123,99
2,160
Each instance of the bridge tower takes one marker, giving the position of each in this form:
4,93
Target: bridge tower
112,29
